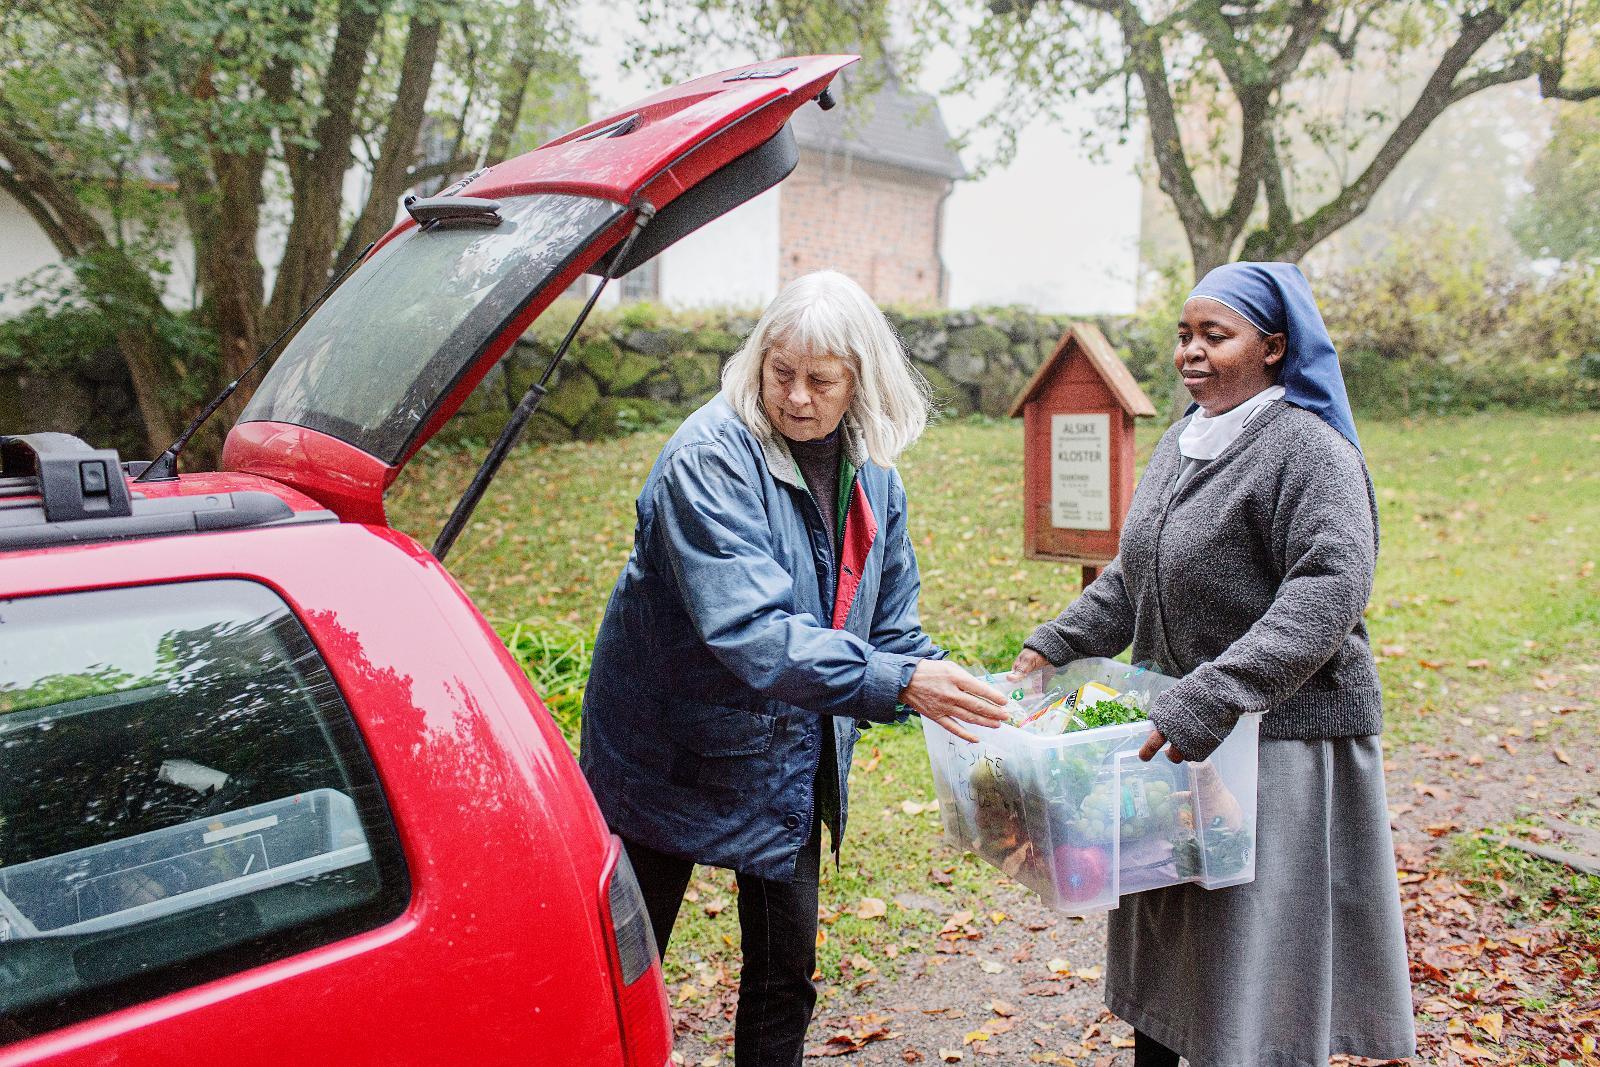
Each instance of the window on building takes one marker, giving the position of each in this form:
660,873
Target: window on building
186,795
643,282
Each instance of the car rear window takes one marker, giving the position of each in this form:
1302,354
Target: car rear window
185,795
374,361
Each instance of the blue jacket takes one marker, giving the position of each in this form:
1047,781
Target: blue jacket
729,654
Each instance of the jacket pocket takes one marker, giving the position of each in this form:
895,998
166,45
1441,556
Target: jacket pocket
716,730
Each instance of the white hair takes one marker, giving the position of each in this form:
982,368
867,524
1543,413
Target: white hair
826,313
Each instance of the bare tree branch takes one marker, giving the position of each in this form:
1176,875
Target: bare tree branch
1148,61
1550,87
1438,94
1519,68
1309,23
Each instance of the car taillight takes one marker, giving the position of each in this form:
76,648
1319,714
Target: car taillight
640,992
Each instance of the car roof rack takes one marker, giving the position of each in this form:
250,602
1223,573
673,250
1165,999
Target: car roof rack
57,490
72,480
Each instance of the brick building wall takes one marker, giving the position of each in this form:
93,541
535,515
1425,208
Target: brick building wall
875,222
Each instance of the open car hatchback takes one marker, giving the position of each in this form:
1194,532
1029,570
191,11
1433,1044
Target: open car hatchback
273,790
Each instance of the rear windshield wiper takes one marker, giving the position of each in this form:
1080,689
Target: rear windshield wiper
458,210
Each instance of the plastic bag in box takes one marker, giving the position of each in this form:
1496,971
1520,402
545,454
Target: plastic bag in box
1077,817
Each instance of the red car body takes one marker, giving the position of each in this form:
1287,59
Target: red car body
507,948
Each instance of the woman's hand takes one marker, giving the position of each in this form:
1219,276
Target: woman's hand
945,693
1027,662
1153,745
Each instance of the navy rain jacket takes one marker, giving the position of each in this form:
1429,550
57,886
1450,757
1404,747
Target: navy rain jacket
729,655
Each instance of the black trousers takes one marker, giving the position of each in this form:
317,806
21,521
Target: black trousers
777,935
1148,1052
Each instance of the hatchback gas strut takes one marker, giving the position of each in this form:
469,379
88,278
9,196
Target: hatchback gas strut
643,211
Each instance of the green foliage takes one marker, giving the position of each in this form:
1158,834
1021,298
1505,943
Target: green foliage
1561,215
556,657
1147,340
63,333
1436,325
1105,713
640,315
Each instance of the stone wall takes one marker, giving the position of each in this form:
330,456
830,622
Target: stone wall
638,369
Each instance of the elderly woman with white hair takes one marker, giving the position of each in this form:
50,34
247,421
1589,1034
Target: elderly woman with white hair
767,612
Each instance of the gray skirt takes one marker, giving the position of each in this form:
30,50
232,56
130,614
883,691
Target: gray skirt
1307,961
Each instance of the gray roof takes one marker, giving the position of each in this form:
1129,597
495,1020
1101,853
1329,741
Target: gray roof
894,125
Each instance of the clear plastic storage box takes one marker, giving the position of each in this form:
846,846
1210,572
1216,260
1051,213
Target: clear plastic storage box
1079,818
184,866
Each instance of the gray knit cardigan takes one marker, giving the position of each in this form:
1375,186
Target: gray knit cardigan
1248,582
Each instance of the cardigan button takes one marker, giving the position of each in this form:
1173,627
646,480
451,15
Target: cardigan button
792,821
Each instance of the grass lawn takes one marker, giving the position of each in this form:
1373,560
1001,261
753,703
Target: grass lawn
1487,573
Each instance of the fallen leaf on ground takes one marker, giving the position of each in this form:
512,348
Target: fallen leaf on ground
871,908
1490,1024
1001,1008
1059,966
956,922
1561,757
1470,1051
991,967
998,917
949,1055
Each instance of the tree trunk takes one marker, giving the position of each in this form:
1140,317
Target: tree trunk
391,172
319,179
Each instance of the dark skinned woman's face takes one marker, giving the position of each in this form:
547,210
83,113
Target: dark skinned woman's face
1223,359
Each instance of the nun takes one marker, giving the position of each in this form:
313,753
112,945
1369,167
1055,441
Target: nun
1246,563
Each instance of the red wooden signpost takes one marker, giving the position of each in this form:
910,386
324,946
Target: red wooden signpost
1077,424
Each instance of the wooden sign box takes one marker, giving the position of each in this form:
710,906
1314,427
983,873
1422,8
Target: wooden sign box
1078,414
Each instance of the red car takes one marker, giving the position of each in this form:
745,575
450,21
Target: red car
271,789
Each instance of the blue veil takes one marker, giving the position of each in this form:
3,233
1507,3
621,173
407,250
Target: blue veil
1276,298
